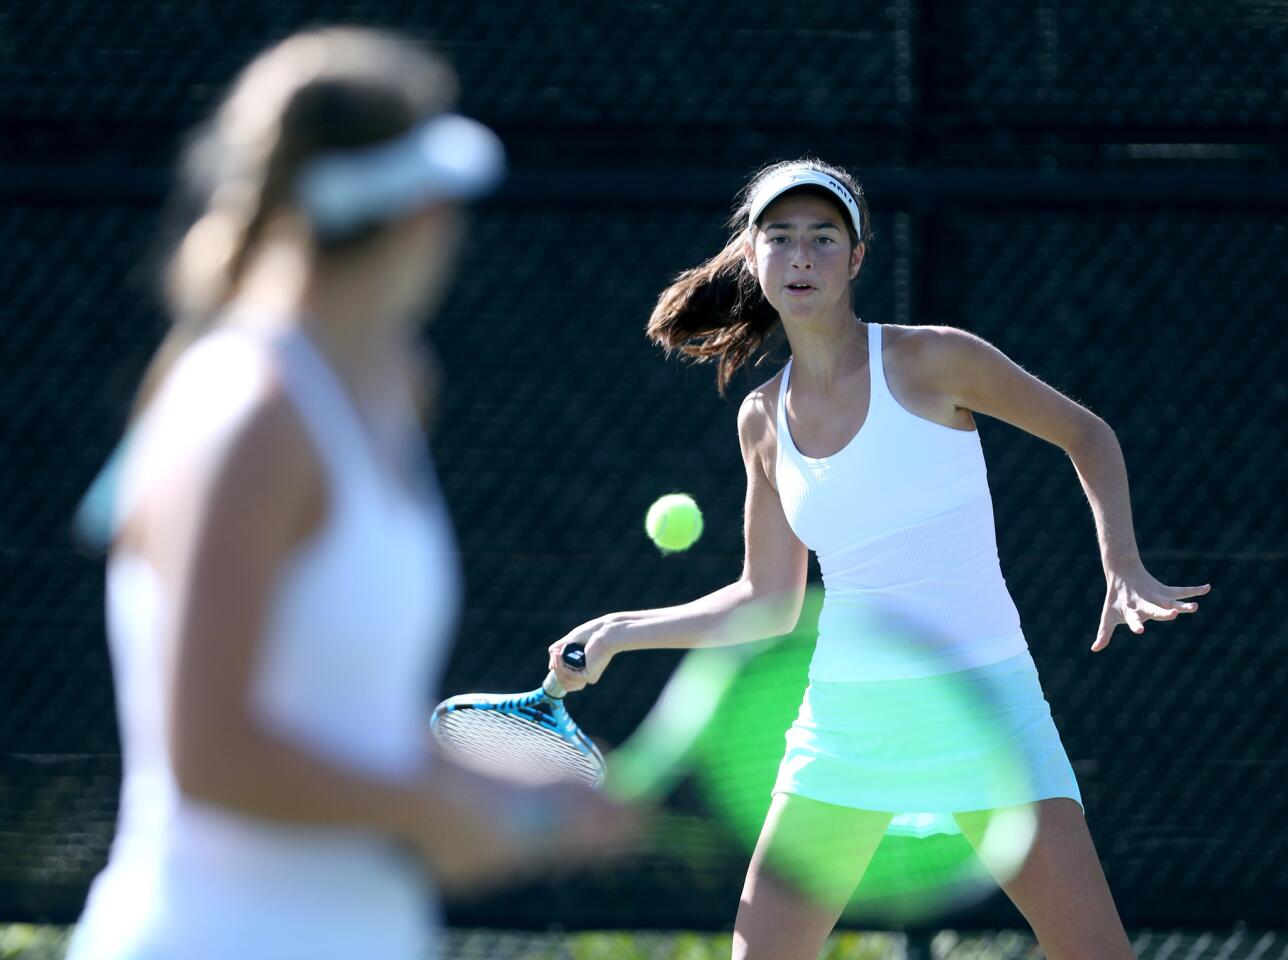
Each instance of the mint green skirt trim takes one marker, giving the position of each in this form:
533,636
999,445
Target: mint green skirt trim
928,747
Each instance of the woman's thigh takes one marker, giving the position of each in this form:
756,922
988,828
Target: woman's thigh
807,862
1059,886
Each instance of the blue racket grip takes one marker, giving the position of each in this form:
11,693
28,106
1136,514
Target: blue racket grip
575,656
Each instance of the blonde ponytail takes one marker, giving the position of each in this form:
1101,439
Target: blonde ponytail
321,90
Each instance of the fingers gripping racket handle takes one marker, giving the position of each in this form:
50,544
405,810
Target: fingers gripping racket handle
575,656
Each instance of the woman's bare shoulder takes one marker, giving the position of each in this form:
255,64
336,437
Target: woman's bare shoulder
918,338
758,420
196,448
929,350
931,339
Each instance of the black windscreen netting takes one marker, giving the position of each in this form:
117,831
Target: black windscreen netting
559,424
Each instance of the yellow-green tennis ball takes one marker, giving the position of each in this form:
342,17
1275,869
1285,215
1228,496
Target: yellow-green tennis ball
674,522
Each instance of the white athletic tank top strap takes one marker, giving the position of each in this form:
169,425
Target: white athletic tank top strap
879,395
784,433
321,402
901,520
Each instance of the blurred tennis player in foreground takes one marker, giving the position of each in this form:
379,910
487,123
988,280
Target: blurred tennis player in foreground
863,449
283,579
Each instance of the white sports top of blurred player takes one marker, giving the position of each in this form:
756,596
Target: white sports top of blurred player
357,625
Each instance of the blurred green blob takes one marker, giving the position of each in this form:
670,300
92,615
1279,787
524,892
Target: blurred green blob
923,865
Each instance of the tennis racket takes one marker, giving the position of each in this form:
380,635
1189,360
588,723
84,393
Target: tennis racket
532,736
526,735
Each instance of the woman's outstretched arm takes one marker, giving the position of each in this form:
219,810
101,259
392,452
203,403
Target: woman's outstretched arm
978,377
765,601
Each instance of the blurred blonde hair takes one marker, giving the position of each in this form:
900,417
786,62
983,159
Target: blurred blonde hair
318,91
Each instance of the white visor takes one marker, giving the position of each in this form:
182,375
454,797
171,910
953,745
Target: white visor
449,157
793,177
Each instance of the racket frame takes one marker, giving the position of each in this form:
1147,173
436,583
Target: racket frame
543,708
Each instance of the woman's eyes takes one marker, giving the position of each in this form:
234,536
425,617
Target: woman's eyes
822,238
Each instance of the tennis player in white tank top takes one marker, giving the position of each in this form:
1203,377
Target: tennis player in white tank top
283,578
863,450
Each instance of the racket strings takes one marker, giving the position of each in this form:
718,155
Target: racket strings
517,746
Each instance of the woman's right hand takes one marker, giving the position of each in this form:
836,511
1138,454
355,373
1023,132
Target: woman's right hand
477,830
600,638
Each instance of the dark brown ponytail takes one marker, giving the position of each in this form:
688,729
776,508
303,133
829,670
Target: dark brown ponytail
717,311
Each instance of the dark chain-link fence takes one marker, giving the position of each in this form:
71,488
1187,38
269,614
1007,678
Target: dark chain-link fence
1096,188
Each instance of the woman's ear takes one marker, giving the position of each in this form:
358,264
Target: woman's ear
749,257
856,258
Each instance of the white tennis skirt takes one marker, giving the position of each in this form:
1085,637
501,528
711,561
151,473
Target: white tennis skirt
928,747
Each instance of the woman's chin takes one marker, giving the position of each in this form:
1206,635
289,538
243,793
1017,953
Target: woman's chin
805,309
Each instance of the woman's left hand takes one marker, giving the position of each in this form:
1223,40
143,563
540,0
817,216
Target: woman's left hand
1134,596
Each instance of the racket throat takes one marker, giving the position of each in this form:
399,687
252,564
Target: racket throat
552,687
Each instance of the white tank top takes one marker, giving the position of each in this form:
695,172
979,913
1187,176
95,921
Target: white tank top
358,623
901,520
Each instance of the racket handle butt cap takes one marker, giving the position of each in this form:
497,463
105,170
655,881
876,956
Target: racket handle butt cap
575,656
